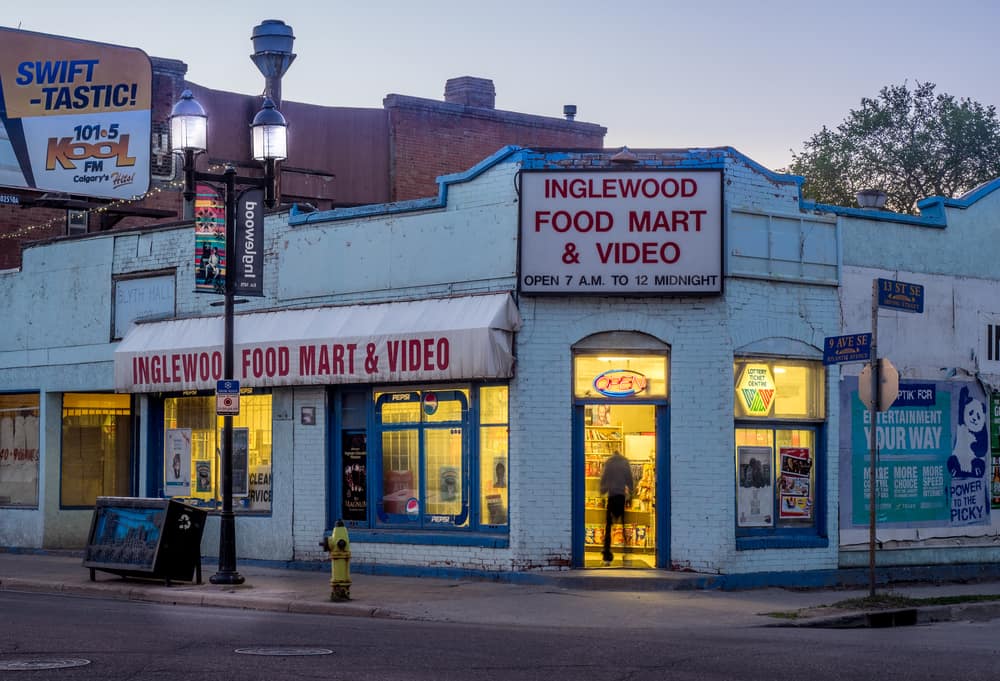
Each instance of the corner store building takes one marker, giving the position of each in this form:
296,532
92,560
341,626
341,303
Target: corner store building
777,298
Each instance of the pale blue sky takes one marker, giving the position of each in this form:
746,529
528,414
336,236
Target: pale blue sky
761,76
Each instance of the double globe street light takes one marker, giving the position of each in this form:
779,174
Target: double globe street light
189,136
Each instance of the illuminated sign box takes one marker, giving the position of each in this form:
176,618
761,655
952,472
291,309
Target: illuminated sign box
621,232
75,116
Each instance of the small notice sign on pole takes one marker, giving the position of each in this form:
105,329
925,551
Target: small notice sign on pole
227,397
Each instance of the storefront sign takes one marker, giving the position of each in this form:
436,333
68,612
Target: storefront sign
76,114
461,338
142,298
620,383
755,390
652,232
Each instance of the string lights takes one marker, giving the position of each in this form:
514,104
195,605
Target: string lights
173,185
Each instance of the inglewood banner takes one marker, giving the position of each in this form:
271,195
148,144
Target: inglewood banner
621,232
74,116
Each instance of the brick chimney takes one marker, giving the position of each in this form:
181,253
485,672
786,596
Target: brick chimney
470,91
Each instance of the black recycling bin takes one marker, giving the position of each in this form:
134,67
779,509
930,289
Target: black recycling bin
146,538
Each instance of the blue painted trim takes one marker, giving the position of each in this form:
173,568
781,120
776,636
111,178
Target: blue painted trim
932,209
154,447
453,538
414,205
663,500
924,220
578,486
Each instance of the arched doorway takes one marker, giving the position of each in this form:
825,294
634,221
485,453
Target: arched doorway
620,393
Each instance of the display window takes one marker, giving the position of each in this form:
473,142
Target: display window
778,464
620,376
192,441
19,450
96,440
779,389
494,436
442,460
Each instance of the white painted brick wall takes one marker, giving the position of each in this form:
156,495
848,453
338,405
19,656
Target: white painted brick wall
703,334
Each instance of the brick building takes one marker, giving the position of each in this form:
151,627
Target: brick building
338,156
449,375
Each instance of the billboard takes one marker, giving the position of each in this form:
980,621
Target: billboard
932,461
74,116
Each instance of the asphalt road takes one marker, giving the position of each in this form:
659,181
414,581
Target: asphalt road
124,640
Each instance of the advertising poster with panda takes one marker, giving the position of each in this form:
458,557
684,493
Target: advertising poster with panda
933,460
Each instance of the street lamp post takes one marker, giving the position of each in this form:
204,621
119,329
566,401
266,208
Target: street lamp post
189,136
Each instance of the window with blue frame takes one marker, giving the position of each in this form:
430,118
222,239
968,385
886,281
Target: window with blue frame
779,412
442,459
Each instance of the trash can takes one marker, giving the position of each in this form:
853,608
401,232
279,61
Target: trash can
145,538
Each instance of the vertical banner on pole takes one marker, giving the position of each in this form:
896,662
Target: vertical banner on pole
209,240
248,263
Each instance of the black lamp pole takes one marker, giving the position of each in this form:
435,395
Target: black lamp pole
264,125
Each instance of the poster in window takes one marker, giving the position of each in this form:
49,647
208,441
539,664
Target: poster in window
796,488
497,514
18,457
355,481
754,493
241,462
203,476
499,471
449,484
177,462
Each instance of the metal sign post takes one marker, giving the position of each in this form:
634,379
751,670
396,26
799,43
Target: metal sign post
903,297
873,442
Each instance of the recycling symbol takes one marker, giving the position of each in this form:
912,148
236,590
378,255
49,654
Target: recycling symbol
184,522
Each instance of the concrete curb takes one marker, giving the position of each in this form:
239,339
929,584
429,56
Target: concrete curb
231,598
898,617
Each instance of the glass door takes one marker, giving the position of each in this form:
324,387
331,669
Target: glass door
619,532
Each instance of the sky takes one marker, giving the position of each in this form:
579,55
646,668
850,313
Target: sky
759,75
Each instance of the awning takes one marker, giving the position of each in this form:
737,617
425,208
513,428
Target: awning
459,338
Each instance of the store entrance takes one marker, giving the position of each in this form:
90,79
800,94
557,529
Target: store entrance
613,429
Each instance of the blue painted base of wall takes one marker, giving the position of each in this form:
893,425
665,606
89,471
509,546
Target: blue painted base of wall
645,580
663,580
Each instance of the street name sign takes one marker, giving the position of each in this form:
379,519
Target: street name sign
855,347
899,295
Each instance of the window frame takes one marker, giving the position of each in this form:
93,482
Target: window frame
129,485
25,397
155,463
477,531
814,534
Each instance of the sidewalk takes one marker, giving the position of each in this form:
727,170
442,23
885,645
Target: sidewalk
564,599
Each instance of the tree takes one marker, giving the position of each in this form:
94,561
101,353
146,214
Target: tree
911,144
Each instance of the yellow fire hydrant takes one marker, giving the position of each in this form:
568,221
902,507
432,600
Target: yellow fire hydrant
339,546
